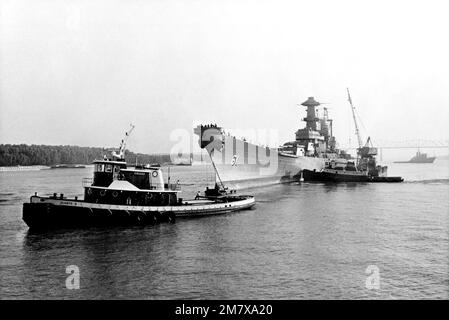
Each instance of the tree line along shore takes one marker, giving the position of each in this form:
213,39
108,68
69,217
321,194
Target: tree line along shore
46,155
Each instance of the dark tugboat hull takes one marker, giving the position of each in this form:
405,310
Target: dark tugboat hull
387,179
48,213
320,176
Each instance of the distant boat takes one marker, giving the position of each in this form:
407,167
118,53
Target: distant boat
419,158
22,168
68,166
183,164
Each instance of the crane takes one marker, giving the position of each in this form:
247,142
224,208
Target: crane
121,150
357,132
364,152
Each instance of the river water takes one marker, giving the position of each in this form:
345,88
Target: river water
301,241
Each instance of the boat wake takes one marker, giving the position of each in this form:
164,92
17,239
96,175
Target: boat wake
429,181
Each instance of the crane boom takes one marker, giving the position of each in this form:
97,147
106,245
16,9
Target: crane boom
359,138
217,175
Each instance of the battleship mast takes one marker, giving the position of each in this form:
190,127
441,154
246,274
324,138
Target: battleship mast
316,137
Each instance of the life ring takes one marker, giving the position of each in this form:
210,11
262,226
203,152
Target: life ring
148,198
154,174
115,194
89,191
102,193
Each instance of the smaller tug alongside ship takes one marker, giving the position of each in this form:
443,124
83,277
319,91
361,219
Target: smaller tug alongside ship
362,169
118,195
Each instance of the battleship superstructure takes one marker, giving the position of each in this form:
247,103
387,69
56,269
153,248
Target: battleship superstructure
243,164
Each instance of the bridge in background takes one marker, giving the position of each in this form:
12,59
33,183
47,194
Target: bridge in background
404,144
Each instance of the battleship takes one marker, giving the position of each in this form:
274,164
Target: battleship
242,164
420,157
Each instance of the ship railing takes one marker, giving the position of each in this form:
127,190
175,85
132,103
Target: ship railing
172,186
87,182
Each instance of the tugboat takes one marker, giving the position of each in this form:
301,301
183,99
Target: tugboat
420,157
362,169
118,195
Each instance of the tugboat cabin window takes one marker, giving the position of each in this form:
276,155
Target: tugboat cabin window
139,179
109,168
99,167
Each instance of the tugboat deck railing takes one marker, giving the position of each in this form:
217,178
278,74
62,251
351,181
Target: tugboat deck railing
87,182
172,186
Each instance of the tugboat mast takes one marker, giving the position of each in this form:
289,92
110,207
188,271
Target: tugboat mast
121,150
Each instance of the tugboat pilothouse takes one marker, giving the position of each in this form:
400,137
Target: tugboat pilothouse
118,195
114,183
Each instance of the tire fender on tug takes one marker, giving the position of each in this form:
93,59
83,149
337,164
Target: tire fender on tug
149,217
140,218
171,217
158,218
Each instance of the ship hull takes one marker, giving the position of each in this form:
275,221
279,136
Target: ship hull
49,213
428,160
320,176
241,164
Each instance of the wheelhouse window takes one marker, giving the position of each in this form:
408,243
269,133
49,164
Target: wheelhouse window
116,174
108,168
139,179
99,167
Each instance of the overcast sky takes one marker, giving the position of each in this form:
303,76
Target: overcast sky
78,72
